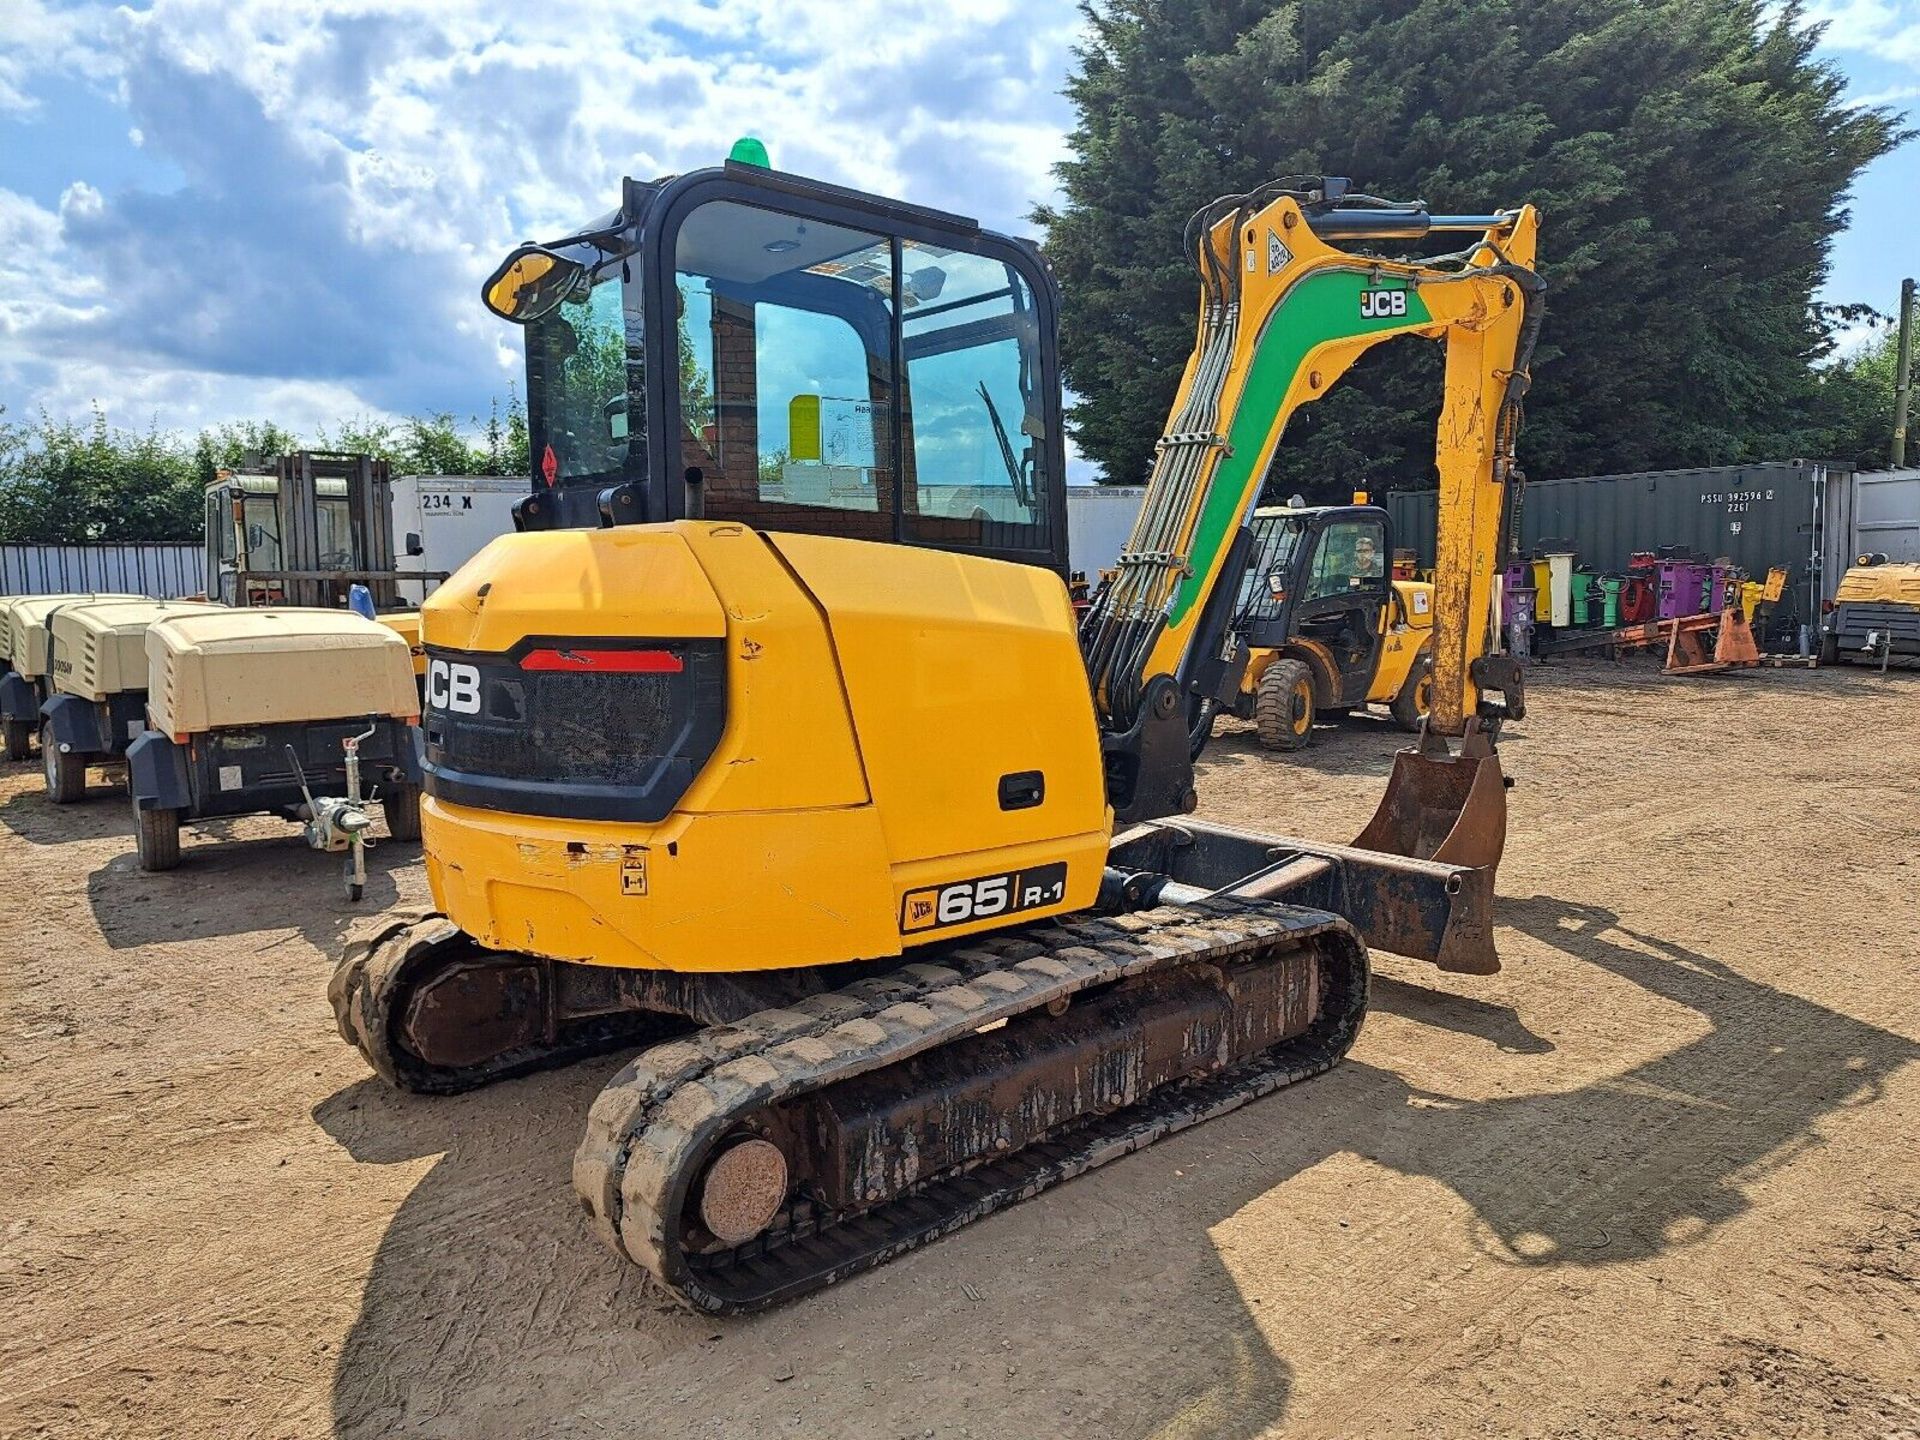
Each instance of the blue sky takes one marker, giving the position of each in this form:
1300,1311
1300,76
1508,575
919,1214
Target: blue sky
225,209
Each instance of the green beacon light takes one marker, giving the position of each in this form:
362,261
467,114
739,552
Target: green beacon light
748,150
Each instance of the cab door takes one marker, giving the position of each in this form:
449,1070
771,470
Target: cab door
1343,601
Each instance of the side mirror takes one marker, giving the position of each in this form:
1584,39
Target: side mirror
530,282
414,546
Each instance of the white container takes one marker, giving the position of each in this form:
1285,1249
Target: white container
1099,520
450,518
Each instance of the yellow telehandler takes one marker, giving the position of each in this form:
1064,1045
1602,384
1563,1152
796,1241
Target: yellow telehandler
768,741
1327,631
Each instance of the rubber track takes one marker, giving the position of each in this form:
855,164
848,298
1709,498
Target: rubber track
651,1128
372,976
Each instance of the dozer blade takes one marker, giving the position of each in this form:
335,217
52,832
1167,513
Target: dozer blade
1418,882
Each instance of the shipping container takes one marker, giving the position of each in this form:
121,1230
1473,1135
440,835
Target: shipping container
1099,520
1886,516
1796,513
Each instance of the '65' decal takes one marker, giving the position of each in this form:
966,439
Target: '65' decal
964,901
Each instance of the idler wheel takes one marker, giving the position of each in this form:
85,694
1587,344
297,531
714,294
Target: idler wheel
743,1190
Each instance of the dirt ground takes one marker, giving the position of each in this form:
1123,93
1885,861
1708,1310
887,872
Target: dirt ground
1657,1178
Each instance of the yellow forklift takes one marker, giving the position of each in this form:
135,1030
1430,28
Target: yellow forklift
1325,629
770,741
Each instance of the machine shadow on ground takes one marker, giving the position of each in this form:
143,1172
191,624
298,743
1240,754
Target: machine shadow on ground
487,1282
1357,745
231,886
37,820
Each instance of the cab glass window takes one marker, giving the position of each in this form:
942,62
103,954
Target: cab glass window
578,362
335,533
973,396
785,371
1262,588
220,527
262,525
1351,556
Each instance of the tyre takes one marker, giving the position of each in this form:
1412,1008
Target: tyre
1410,706
401,805
1283,705
66,773
1829,652
18,735
157,834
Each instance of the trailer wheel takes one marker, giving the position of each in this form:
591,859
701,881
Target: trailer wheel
1829,653
1283,705
18,734
66,773
1410,706
401,805
157,834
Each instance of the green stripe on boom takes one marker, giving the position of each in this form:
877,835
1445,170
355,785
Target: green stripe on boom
1322,307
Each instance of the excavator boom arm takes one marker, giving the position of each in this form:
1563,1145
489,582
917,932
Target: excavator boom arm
1283,314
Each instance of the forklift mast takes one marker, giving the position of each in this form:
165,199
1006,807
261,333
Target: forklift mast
304,531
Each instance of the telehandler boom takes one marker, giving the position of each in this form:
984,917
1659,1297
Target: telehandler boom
769,741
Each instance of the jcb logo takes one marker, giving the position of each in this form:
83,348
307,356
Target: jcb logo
453,687
1382,304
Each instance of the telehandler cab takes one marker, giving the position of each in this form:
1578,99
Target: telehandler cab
1325,629
769,741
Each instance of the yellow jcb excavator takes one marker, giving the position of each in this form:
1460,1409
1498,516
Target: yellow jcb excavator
768,740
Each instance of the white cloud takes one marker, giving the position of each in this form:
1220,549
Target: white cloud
37,38
1893,95
1889,29
350,174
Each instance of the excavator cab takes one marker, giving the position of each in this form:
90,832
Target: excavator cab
839,365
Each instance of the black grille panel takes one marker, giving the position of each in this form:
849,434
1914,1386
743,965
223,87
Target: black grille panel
588,743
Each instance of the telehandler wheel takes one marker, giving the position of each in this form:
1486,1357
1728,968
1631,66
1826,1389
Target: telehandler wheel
1283,705
1410,706
66,773
157,834
401,805
18,734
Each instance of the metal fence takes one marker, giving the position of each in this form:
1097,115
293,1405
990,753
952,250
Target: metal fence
163,571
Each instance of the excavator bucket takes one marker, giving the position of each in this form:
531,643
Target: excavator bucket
1451,809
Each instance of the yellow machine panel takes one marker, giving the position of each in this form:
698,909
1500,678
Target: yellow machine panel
406,624
1405,635
922,636
830,823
